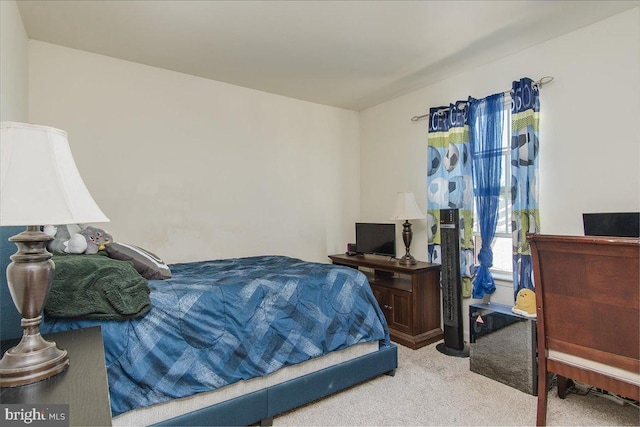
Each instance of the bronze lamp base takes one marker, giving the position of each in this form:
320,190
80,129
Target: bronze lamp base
33,359
407,236
408,259
29,276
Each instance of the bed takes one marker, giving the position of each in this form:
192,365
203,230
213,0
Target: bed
226,342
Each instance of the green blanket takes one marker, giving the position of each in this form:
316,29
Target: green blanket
96,287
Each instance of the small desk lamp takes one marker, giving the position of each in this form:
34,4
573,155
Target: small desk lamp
406,209
39,185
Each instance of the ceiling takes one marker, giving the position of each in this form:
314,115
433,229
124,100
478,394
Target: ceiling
349,54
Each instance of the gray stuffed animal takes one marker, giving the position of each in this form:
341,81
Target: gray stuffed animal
72,239
96,239
61,234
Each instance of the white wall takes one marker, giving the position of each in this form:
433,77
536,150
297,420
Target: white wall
590,152
196,169
13,64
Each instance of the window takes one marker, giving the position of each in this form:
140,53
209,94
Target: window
502,246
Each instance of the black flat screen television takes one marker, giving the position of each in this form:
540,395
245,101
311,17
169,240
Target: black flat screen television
618,224
377,239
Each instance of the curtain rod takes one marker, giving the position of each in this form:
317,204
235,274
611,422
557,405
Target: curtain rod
543,81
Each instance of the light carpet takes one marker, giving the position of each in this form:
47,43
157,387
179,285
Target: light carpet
430,388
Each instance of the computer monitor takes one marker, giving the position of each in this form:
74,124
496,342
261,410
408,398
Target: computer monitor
618,224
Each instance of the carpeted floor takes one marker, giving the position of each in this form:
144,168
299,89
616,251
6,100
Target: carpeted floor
430,388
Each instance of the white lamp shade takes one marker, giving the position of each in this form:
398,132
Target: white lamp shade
39,181
406,208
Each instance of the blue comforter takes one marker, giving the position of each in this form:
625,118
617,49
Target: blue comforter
218,322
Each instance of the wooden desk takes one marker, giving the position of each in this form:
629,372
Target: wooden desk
83,386
409,296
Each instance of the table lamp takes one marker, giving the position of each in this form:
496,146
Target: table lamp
406,209
39,185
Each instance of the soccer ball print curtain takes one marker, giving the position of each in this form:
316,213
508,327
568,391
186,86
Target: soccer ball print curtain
449,183
525,214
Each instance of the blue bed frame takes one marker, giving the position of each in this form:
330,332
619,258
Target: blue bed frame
258,407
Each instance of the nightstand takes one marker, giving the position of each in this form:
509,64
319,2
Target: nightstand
83,386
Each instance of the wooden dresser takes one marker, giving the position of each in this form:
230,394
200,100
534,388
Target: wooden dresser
409,296
588,306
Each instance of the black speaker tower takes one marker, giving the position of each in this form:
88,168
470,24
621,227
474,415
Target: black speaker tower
451,286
